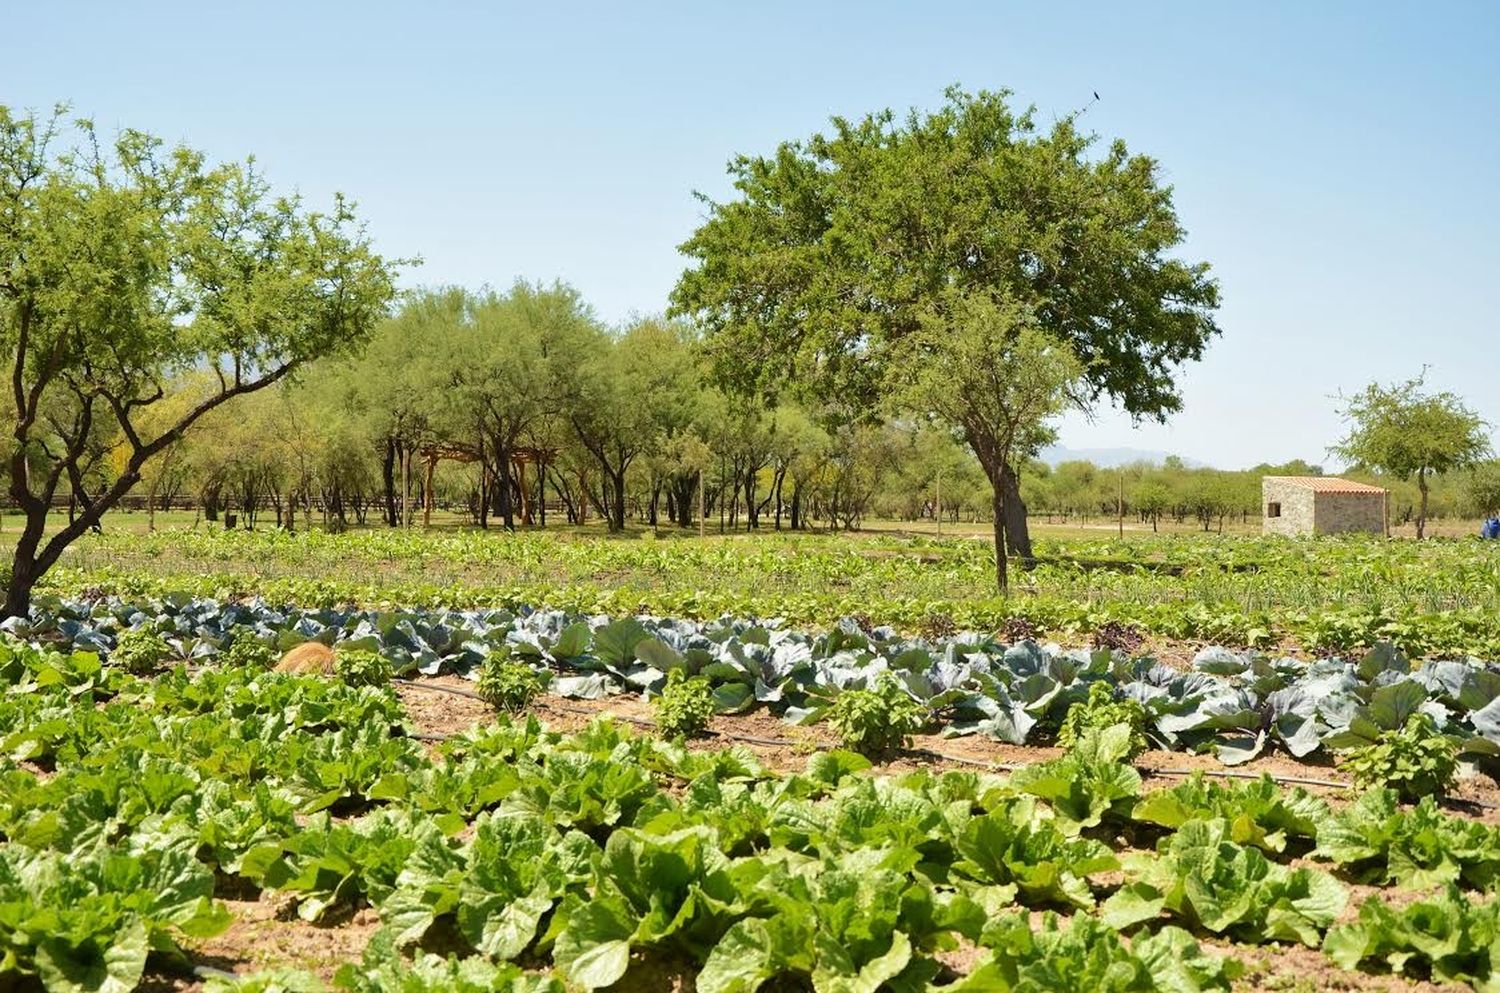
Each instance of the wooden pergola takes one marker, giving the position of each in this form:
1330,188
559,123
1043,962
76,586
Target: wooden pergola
520,458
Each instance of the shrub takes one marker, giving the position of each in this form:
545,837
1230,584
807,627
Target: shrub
246,652
508,684
1101,710
878,719
362,668
140,651
684,706
1415,761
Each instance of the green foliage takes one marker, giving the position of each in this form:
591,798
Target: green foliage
1416,761
1085,954
508,683
1418,848
878,719
1402,430
1212,883
249,653
889,200
129,260
140,651
358,667
1258,813
684,706
1089,783
1100,710
1449,937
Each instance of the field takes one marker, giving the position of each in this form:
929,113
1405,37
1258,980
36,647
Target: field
1135,773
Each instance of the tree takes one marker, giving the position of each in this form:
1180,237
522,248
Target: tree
634,391
1482,489
1401,430
125,264
983,366
836,248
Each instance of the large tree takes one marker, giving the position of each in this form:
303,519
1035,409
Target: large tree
125,264
1402,430
984,366
836,248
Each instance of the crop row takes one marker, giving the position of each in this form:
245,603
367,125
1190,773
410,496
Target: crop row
1470,627
583,855
1235,705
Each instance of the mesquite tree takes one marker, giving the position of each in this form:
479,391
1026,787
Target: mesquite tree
126,264
1402,430
836,248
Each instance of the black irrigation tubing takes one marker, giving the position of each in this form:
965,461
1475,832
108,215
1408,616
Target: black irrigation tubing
1329,784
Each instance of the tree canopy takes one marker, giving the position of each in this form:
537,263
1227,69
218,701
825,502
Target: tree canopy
837,249
125,264
1403,430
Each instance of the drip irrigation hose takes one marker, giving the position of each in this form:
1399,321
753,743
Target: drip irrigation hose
1328,784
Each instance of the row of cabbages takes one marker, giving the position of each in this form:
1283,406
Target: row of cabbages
1231,703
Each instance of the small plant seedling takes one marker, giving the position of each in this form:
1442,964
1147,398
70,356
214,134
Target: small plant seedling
363,668
878,719
1101,710
1415,761
140,652
684,706
509,684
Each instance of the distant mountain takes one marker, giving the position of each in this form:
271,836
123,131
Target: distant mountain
1108,458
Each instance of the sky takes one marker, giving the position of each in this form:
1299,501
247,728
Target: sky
1335,162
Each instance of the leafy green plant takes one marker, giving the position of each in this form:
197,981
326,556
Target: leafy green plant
684,706
1418,848
140,651
1416,761
1259,813
1091,782
246,652
878,719
1100,710
1449,937
508,683
1211,883
363,668
1086,954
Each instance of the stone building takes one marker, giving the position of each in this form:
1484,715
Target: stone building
1321,505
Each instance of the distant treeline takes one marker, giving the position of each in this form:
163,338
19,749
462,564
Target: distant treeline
522,408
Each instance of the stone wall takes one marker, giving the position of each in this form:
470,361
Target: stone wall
1342,512
1298,510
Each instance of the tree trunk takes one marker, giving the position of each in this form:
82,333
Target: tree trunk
388,477
1002,577
1422,510
1016,532
617,505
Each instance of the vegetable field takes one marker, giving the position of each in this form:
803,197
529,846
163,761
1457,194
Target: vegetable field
491,796
1439,597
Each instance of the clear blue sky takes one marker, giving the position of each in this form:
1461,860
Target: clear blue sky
1336,162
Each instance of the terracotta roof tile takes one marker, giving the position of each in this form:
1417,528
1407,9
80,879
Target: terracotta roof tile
1327,484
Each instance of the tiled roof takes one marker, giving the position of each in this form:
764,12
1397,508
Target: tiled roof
1327,484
